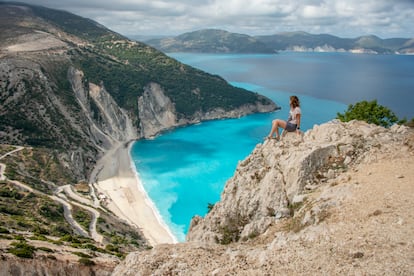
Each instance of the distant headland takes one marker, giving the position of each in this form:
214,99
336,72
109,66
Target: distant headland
221,41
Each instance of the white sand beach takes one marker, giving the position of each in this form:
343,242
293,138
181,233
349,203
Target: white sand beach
126,197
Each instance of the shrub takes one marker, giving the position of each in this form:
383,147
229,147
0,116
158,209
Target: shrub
4,231
84,218
61,229
51,211
89,246
82,255
370,112
46,249
38,237
111,247
69,238
11,210
19,238
230,232
22,250
7,192
40,231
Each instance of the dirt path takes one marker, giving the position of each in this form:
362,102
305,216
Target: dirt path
83,203
60,197
3,166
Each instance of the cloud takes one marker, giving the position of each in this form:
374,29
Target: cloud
247,8
349,18
320,11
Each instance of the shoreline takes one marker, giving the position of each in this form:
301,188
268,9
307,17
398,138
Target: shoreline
119,186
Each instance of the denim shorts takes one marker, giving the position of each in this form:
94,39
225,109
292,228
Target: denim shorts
290,127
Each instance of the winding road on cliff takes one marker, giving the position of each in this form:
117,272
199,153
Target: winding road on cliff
60,196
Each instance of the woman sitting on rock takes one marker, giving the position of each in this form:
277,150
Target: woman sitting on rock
293,122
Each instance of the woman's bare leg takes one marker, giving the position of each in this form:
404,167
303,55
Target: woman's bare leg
275,127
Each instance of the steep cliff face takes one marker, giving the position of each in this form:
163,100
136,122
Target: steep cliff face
157,112
108,123
333,201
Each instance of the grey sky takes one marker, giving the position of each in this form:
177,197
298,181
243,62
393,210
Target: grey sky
346,18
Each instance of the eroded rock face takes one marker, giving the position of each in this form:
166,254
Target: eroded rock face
276,173
156,111
108,123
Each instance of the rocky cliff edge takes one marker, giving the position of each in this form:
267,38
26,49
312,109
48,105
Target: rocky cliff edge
334,200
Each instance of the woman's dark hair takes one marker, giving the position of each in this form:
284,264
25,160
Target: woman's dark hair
294,101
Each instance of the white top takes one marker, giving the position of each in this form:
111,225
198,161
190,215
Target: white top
292,115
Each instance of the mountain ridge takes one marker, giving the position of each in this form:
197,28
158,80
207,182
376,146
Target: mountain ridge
211,41
219,41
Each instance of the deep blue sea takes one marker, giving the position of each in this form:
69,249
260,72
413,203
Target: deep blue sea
185,169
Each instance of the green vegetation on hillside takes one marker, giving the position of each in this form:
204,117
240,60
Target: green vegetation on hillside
126,68
82,216
212,41
31,165
41,112
22,249
26,211
41,218
121,236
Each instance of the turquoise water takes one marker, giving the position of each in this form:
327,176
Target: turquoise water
185,169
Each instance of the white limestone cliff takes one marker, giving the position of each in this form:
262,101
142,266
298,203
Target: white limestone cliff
114,125
156,111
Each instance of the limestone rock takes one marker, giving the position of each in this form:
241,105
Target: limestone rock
267,182
156,111
114,124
